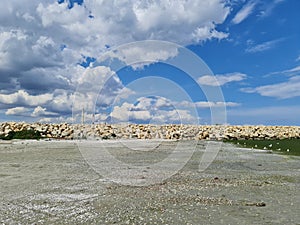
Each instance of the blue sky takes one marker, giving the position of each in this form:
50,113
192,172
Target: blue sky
58,57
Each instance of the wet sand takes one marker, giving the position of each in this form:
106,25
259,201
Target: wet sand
51,183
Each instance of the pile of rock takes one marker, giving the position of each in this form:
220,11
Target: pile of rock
149,131
261,132
63,131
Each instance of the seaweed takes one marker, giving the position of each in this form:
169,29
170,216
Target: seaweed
22,134
286,146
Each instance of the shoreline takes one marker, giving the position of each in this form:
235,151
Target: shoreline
67,131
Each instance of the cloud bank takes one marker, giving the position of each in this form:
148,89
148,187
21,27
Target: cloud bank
43,45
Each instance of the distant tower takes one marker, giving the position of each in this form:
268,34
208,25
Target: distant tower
82,116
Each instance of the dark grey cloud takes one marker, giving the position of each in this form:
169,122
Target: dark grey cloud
41,81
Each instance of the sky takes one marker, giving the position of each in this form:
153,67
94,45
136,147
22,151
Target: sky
150,61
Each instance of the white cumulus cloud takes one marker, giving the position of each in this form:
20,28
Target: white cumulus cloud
144,53
284,90
155,109
220,80
40,111
18,111
23,98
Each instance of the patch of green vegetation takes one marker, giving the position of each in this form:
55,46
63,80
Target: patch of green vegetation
285,146
23,134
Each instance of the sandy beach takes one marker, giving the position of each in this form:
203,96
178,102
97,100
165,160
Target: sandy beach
50,182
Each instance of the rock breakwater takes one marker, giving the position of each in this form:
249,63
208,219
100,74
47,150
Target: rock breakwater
149,131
